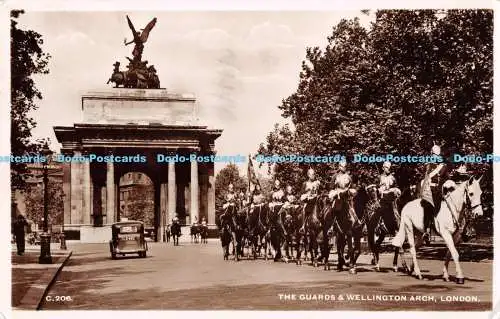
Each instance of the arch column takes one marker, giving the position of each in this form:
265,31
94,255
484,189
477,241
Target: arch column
171,192
87,194
195,191
110,193
76,190
211,194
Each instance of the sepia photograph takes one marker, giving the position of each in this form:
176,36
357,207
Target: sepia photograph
252,160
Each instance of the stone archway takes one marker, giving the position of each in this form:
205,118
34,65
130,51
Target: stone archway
112,131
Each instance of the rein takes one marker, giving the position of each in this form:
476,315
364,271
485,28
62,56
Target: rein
462,214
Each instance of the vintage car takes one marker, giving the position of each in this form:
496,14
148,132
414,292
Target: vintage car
127,238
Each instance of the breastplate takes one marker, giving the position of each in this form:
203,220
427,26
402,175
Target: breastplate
312,186
342,181
387,181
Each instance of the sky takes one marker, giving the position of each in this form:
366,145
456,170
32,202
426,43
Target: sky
239,65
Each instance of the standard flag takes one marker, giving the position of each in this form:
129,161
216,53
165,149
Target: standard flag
252,177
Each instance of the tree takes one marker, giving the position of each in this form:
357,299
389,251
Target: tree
226,176
34,203
413,78
27,59
140,204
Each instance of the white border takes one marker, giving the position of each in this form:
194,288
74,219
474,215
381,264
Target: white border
206,5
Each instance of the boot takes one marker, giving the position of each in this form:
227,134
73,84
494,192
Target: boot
428,216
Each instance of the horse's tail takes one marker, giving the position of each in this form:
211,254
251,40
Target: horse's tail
399,239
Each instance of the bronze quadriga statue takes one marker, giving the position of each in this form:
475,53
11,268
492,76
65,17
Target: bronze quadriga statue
139,74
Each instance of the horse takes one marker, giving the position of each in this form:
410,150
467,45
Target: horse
311,229
203,230
348,226
382,219
195,233
459,207
224,226
291,226
228,218
175,229
240,219
257,228
277,230
327,227
119,78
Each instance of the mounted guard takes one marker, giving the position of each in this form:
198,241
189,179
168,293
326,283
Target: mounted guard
277,196
290,199
389,193
231,198
431,190
342,183
311,187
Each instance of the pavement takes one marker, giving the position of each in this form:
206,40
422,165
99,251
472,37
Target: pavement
195,277
31,280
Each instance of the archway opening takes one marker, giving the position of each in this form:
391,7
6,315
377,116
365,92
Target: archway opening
137,198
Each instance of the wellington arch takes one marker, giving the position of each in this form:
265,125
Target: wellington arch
134,126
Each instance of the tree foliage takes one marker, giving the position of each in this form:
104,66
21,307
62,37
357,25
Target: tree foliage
27,59
414,77
34,203
140,204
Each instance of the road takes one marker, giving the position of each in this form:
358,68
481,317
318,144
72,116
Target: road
195,277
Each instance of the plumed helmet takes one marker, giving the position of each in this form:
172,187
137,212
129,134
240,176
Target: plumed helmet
462,169
436,150
310,171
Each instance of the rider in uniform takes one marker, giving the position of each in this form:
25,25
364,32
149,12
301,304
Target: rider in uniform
289,197
241,198
230,197
257,197
277,196
290,201
436,175
387,180
342,181
387,186
311,187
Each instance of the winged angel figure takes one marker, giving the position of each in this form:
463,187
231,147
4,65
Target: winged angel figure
139,38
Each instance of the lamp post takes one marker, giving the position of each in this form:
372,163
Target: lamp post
45,257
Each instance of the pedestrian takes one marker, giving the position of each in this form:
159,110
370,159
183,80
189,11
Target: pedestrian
19,232
167,231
